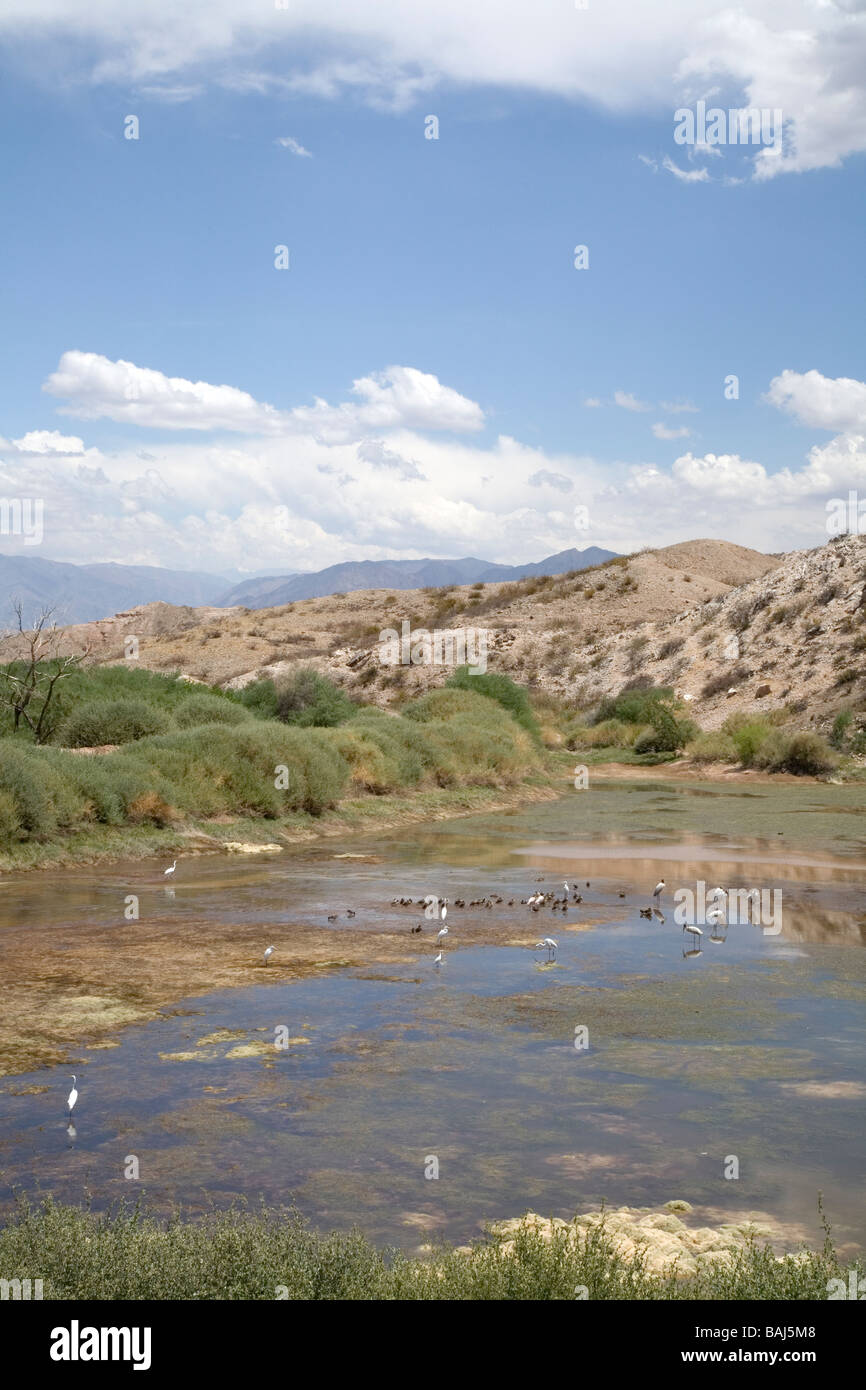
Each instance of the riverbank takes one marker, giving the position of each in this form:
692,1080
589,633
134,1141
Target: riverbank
133,1256
105,844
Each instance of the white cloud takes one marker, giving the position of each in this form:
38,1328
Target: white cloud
288,142
805,57
830,403
49,442
627,401
399,396
304,495
685,175
543,477
665,432
95,388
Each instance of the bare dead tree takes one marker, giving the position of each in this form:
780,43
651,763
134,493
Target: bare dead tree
28,683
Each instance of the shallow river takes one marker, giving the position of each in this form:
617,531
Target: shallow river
748,1057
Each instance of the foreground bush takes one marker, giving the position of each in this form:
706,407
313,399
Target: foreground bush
257,767
505,691
713,747
97,722
634,705
127,1254
304,697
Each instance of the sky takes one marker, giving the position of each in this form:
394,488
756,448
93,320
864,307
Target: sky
287,286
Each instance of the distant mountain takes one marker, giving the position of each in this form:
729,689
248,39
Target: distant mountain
83,593
399,574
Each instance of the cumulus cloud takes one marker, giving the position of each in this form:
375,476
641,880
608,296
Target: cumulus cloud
94,388
805,57
830,403
302,498
396,397
376,452
48,442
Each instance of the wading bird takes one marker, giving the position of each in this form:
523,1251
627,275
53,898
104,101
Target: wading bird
444,912
550,944
440,935
658,890
168,872
72,1097
438,959
695,931
268,953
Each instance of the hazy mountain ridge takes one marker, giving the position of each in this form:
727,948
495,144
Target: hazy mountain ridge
353,575
86,593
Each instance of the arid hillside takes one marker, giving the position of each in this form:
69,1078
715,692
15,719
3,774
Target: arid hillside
730,628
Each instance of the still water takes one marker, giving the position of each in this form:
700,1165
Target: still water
753,1049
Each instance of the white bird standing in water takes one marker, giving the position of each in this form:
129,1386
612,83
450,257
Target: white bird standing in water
695,931
658,890
565,886
440,935
72,1097
444,912
168,872
550,944
268,953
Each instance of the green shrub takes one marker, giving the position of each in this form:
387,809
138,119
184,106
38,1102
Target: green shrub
748,733
713,747
42,799
10,821
809,754
505,691
307,698
633,705
96,722
841,725
206,708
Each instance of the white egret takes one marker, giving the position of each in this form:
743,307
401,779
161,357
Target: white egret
550,944
167,873
72,1097
444,912
565,886
268,953
440,935
658,890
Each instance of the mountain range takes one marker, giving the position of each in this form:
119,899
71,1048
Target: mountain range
353,575
85,593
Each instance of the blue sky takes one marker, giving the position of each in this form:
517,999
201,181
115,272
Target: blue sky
451,258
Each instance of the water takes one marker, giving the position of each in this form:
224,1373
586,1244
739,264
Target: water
753,1050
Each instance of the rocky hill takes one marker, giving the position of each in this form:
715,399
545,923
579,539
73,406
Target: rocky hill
728,627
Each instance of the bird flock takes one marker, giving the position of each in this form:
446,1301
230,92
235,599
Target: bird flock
556,901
